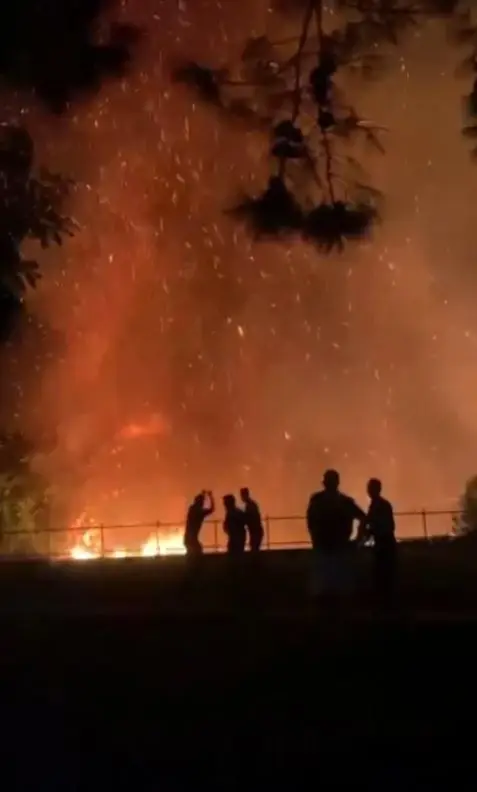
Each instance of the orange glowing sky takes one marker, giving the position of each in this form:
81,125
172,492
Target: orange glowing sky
191,357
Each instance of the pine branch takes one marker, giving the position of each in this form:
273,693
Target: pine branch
309,192
298,58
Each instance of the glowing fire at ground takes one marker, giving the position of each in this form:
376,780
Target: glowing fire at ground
89,547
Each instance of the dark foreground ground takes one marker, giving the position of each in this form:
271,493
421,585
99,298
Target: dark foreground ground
148,677
438,577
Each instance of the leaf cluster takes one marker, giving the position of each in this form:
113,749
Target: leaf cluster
25,498
466,522
290,90
276,214
31,207
61,50
463,32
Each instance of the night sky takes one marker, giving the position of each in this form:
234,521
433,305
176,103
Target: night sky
189,356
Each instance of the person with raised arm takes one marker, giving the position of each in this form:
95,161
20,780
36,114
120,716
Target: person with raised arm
196,514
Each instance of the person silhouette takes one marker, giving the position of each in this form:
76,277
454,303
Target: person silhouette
330,517
234,526
196,514
380,525
253,520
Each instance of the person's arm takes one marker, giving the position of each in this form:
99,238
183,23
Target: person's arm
211,500
309,515
311,519
361,517
254,516
358,513
363,531
392,522
211,507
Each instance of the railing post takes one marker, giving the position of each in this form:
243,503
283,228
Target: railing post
267,532
157,532
424,524
101,534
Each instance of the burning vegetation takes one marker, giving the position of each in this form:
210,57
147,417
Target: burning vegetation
90,544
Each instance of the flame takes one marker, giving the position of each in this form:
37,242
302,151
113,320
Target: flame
79,553
173,544
150,548
87,548
154,425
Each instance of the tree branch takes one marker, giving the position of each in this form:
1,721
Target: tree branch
298,62
318,9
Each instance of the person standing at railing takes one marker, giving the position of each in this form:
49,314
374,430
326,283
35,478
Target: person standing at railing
234,526
330,520
253,520
196,514
380,525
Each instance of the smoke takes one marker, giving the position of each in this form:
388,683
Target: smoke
187,357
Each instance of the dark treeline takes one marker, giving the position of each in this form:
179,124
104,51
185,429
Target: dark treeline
56,53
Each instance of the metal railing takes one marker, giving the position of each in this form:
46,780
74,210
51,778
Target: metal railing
164,538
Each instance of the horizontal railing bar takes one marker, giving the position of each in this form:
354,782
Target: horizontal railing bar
159,524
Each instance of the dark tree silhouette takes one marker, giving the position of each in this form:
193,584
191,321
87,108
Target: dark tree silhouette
25,498
465,523
291,90
31,207
61,49
463,32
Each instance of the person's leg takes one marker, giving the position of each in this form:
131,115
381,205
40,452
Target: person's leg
194,546
317,574
327,585
346,574
377,573
384,573
391,570
340,579
256,539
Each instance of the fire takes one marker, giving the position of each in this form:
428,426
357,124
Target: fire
173,544
88,547
79,553
154,425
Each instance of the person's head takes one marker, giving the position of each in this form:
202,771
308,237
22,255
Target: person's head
331,480
374,488
199,499
244,494
229,502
